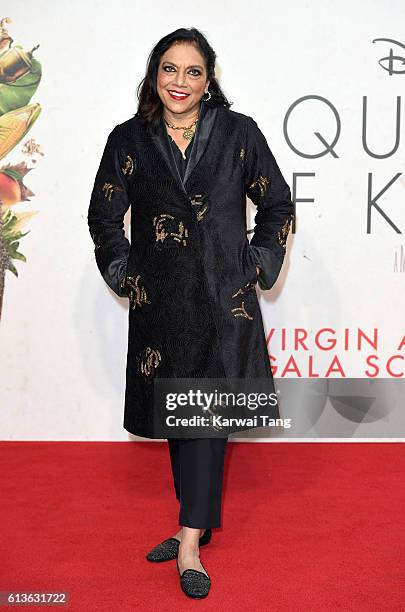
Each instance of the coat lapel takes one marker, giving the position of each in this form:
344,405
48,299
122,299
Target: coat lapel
204,127
203,131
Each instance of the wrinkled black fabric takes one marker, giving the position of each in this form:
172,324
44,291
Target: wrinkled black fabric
197,314
269,263
198,471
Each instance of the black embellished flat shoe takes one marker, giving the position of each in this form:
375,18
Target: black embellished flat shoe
169,548
194,583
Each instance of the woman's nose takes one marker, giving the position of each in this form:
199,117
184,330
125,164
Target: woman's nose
180,78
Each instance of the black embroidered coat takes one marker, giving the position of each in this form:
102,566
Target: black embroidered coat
189,271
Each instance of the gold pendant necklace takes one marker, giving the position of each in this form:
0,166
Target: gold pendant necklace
188,131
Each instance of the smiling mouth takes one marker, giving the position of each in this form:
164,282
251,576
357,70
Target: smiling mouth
178,95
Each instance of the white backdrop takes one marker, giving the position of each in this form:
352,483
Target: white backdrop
63,333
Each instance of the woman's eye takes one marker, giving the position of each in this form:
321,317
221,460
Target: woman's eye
195,71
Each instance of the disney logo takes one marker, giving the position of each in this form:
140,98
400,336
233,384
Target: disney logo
391,58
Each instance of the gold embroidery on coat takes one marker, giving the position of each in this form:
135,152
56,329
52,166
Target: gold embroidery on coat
109,189
158,224
149,362
242,153
244,289
262,182
241,312
162,232
128,166
197,202
282,235
201,212
137,295
179,236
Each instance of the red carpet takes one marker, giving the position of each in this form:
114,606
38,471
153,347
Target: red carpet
306,526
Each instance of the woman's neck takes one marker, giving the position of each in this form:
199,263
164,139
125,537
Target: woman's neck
178,119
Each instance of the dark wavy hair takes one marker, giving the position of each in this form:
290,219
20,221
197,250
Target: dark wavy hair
150,106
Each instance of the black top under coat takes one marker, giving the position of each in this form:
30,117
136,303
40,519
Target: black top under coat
178,156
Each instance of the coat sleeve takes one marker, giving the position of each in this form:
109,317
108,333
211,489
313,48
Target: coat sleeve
269,192
108,204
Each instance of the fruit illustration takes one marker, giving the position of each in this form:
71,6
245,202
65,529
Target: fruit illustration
12,188
20,75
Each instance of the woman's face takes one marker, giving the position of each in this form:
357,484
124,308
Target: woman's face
182,70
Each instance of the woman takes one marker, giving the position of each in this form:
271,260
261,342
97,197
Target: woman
185,162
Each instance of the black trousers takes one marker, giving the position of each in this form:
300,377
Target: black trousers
198,469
